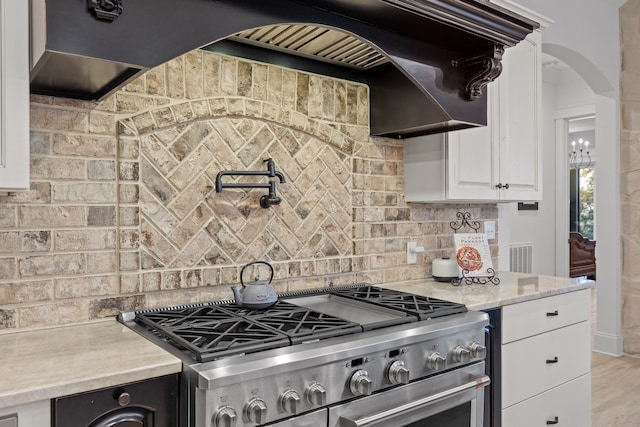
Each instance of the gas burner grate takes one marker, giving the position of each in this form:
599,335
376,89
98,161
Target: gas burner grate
214,331
422,307
298,323
211,332
301,325
225,338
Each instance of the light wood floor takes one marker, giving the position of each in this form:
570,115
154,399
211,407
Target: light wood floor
615,383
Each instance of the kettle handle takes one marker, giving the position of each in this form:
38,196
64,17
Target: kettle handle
252,263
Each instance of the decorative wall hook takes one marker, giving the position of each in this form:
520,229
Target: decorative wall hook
267,200
464,219
107,10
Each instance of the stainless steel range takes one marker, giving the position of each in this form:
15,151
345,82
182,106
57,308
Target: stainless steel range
339,357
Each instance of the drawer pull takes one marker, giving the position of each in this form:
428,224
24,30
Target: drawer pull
554,421
554,360
552,313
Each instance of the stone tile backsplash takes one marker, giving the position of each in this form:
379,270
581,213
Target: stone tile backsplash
630,175
123,213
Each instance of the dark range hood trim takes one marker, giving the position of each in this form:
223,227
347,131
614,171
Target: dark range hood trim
478,17
423,40
56,82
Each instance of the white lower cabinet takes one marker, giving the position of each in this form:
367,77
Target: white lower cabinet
545,314
568,405
546,362
37,414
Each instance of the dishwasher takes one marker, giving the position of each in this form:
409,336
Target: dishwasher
148,403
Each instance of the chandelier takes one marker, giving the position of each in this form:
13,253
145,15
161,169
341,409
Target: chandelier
579,157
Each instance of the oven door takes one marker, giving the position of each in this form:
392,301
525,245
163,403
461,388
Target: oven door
310,419
451,399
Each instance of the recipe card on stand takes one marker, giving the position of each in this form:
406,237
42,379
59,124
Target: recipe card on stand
473,254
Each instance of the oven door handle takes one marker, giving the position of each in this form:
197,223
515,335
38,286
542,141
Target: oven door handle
365,421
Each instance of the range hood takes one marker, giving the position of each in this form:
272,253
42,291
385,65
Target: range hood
426,61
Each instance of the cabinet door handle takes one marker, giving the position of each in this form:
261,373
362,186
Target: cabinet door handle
506,186
554,360
554,421
552,313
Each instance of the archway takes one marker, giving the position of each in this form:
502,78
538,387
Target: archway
607,338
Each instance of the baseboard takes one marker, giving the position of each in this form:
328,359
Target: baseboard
607,344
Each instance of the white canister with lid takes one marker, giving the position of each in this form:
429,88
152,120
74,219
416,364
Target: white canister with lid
444,269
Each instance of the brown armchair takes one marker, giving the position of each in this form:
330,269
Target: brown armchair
582,256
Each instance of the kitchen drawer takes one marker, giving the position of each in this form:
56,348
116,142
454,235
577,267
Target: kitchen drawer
545,314
36,414
525,368
11,421
569,402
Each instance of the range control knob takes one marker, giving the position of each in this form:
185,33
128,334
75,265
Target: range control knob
360,384
436,362
225,417
256,411
124,399
478,351
460,354
316,394
398,373
290,401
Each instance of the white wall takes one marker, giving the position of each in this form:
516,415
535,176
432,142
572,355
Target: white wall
595,55
538,227
562,91
573,92
589,29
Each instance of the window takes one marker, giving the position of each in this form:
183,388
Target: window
581,150
582,202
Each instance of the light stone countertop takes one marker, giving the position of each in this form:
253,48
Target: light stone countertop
47,363
513,288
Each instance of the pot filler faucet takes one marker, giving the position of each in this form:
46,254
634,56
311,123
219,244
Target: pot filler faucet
267,200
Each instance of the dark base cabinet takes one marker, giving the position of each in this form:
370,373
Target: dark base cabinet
150,403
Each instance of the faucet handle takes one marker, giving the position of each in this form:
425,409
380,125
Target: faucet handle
270,199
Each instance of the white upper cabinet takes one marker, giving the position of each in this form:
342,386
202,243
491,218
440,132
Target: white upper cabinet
503,161
499,162
14,95
519,121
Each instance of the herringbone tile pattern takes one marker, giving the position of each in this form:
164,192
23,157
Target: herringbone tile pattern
185,223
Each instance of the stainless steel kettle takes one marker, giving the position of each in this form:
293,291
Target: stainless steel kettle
257,294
